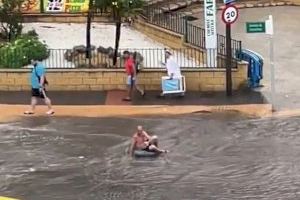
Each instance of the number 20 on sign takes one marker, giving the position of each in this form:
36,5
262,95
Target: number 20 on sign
230,14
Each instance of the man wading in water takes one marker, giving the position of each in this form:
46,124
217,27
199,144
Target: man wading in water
142,141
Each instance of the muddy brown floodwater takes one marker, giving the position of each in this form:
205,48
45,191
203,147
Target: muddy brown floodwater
213,157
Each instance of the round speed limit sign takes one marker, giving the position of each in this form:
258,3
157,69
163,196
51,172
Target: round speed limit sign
230,14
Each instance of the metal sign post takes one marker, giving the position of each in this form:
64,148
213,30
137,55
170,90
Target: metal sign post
270,32
210,32
228,61
229,16
267,28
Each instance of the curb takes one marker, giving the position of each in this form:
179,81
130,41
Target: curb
14,112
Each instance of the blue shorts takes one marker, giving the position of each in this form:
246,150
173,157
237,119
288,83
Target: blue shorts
131,81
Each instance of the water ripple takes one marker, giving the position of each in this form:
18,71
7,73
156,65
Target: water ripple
212,157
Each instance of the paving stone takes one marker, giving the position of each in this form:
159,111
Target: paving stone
222,7
188,2
173,6
249,5
187,13
240,6
280,3
182,4
197,10
165,9
273,4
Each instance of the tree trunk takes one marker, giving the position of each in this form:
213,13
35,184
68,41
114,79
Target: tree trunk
88,37
88,32
117,41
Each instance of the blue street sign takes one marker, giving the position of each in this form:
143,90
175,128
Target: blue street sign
226,2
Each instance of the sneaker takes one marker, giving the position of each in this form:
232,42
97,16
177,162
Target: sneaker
28,113
50,112
126,99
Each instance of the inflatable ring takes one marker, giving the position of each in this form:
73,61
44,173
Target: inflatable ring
142,153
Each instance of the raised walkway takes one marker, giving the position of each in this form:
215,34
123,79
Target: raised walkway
151,98
110,104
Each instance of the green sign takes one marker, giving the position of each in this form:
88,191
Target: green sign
256,27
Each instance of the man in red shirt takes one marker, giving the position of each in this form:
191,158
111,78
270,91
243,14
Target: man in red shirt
131,75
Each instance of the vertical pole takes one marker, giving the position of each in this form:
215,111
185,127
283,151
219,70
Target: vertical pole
270,32
272,68
42,8
228,61
185,29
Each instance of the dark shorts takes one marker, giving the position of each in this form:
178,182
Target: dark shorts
148,149
37,93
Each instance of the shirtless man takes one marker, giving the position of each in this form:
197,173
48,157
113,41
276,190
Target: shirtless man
142,141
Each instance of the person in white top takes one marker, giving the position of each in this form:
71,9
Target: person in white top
173,68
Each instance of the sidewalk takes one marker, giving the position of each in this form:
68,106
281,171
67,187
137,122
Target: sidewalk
115,98
110,104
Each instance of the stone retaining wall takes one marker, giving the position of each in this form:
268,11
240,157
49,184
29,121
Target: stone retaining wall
169,39
161,35
63,18
114,79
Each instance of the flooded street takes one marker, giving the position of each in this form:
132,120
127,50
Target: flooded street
219,156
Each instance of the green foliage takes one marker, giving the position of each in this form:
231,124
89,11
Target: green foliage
21,51
121,8
102,4
11,19
127,8
32,33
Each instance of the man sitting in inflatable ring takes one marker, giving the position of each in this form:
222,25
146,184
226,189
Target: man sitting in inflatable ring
142,141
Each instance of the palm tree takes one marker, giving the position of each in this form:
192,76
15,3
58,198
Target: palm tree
88,30
122,9
93,4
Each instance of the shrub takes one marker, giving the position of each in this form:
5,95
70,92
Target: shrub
10,19
21,51
32,33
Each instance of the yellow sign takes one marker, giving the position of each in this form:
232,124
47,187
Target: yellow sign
74,6
67,6
31,6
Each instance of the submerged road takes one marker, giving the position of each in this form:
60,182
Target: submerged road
223,156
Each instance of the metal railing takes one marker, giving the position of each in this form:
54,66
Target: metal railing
145,58
195,35
171,21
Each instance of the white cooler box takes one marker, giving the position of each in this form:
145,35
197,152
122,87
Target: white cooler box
173,86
